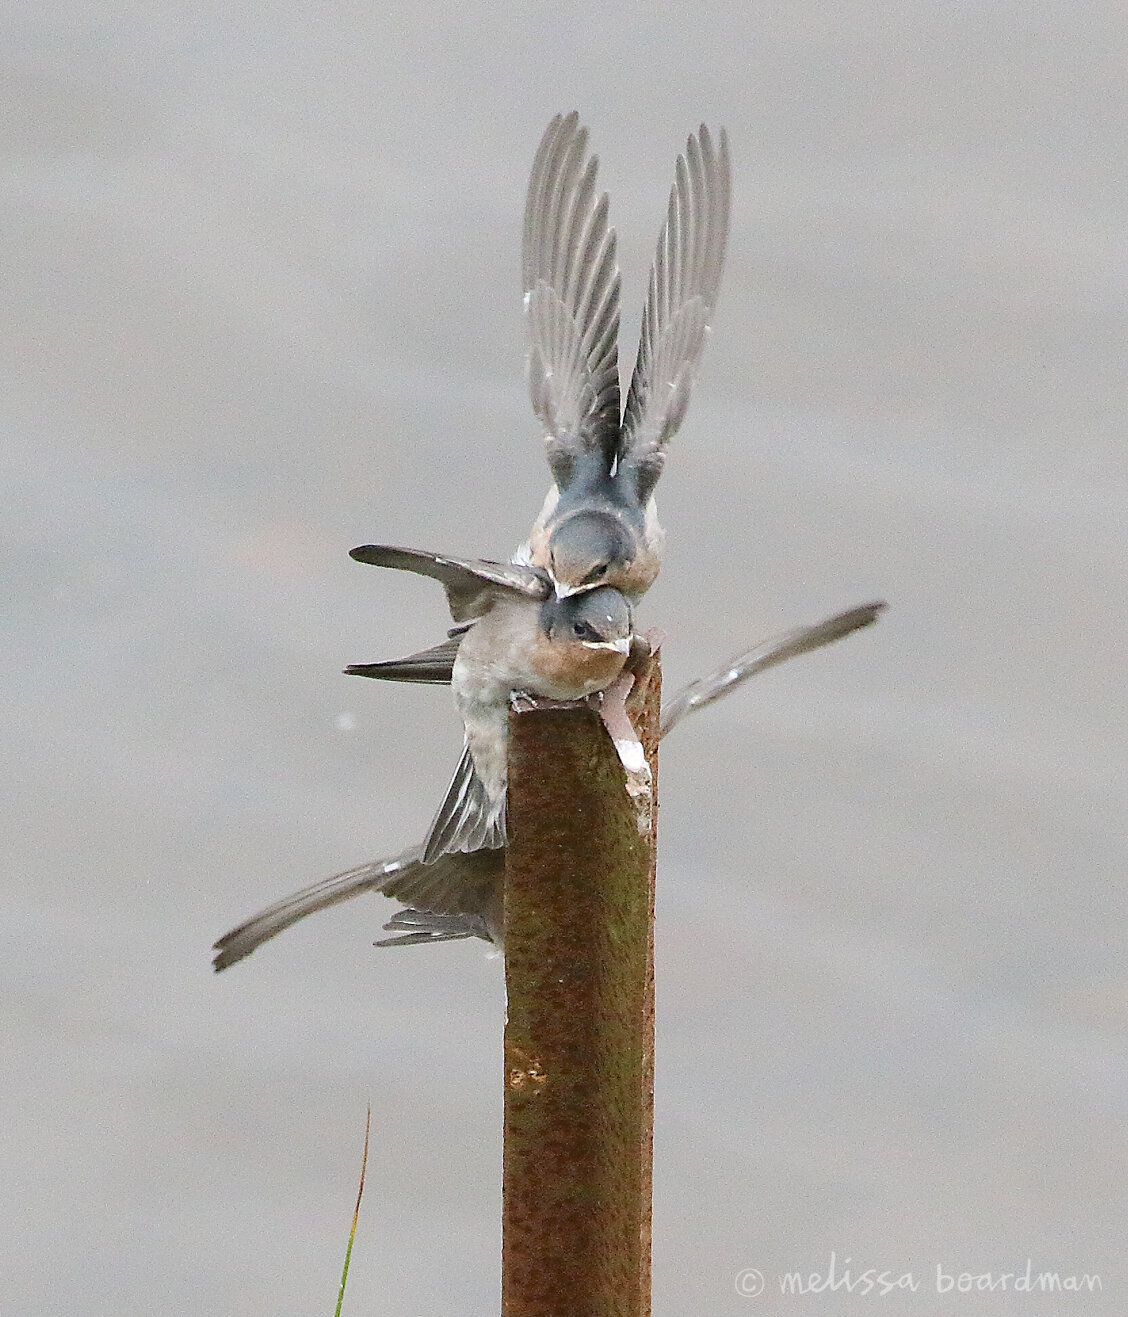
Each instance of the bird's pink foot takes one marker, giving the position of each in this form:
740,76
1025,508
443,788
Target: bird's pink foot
613,711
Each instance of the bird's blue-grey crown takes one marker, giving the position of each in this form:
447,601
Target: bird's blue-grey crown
587,549
599,619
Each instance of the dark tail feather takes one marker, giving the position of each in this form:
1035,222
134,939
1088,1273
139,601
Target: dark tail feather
430,667
416,926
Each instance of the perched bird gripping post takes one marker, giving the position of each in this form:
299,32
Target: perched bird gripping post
579,1038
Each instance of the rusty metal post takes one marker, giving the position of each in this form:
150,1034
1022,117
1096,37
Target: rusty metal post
579,1040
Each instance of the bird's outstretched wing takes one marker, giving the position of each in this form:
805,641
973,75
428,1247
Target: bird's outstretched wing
472,584
571,280
684,281
268,923
791,644
455,888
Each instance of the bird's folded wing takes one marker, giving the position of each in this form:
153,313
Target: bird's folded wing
571,279
467,820
472,584
684,282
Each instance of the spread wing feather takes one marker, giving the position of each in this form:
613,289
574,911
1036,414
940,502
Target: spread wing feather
571,280
800,640
684,283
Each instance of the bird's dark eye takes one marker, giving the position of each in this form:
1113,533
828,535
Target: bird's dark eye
596,574
582,631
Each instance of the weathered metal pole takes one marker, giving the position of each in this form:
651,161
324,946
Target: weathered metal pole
579,1040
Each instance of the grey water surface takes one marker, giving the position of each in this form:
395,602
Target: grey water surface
260,302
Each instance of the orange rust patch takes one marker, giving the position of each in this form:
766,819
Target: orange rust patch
529,1072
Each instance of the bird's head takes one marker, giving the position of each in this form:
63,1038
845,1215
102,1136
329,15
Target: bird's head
588,550
597,619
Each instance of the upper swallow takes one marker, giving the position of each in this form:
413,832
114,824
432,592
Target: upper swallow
461,894
518,637
598,525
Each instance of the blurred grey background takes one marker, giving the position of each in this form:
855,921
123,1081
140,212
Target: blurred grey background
259,302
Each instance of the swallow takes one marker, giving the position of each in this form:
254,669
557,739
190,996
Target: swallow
599,524
518,639
598,528
461,894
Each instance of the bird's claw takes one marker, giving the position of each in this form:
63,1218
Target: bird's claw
523,702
